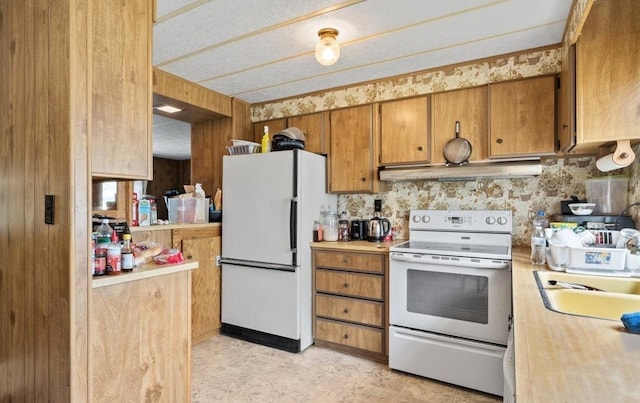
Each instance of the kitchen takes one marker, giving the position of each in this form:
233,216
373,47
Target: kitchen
532,194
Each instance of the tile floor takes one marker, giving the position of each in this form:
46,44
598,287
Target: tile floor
230,370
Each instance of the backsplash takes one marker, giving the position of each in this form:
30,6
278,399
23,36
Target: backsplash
560,179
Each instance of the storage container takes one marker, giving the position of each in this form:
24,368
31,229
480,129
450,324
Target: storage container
188,211
608,192
602,256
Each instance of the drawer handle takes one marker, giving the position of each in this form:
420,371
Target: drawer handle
345,261
346,310
346,336
346,285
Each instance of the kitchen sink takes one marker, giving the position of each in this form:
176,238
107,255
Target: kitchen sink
618,296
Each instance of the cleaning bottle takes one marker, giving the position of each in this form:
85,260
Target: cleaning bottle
266,141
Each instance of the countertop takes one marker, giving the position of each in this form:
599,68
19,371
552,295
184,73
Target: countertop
357,246
143,272
173,226
568,358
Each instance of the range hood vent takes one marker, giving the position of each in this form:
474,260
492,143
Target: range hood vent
469,172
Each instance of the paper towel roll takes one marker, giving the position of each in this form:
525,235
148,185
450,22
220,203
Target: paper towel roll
606,163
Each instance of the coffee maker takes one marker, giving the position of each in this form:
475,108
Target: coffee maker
378,227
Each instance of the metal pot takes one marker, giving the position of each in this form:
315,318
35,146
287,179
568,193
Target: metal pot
378,229
458,150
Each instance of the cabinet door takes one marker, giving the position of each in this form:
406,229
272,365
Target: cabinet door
313,126
567,101
121,89
522,118
351,152
404,131
205,286
467,106
275,126
608,73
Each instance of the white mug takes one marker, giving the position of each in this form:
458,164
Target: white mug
586,238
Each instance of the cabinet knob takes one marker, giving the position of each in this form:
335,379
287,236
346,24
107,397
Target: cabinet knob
363,179
345,261
499,141
564,125
346,310
189,257
419,148
346,336
346,285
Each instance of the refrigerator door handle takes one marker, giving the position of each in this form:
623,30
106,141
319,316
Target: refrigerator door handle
293,225
257,265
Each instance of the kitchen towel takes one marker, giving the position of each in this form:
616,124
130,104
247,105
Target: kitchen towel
631,321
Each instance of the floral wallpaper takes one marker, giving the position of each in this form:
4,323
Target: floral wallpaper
525,64
560,178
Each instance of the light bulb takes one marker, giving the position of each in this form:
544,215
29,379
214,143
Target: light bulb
327,49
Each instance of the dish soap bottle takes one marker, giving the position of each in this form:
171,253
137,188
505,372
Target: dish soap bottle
266,141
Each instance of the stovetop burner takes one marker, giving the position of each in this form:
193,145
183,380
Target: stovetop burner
452,249
468,233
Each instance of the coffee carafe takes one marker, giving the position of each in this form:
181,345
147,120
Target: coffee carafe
378,227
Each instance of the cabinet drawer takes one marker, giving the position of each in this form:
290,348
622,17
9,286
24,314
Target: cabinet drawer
350,261
353,310
352,284
357,336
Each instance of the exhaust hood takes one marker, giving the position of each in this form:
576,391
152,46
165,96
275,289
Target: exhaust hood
468,172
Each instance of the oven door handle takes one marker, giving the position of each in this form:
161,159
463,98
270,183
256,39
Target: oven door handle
471,263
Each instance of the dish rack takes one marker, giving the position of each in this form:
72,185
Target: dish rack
240,147
603,255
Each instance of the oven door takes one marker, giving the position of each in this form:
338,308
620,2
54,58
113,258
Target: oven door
463,297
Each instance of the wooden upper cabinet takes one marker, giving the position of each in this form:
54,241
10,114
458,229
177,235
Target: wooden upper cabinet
352,151
522,117
467,106
313,126
608,74
121,89
404,131
275,126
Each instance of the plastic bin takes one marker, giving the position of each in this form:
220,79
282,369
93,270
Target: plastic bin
188,211
608,192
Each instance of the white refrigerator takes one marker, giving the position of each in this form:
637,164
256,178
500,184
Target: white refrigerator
270,202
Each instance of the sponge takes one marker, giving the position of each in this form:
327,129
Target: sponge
631,321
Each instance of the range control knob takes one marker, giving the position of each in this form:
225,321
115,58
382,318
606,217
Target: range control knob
502,220
426,219
416,218
490,220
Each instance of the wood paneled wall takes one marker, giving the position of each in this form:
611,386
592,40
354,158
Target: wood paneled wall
44,294
168,174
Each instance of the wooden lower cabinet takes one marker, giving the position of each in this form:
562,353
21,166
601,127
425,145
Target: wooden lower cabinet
350,302
140,349
203,245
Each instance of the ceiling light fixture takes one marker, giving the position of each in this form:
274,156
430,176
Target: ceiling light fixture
327,49
168,109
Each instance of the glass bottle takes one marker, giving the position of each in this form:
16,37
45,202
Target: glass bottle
317,231
126,259
330,226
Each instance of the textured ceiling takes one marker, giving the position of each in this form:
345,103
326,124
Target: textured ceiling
262,50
